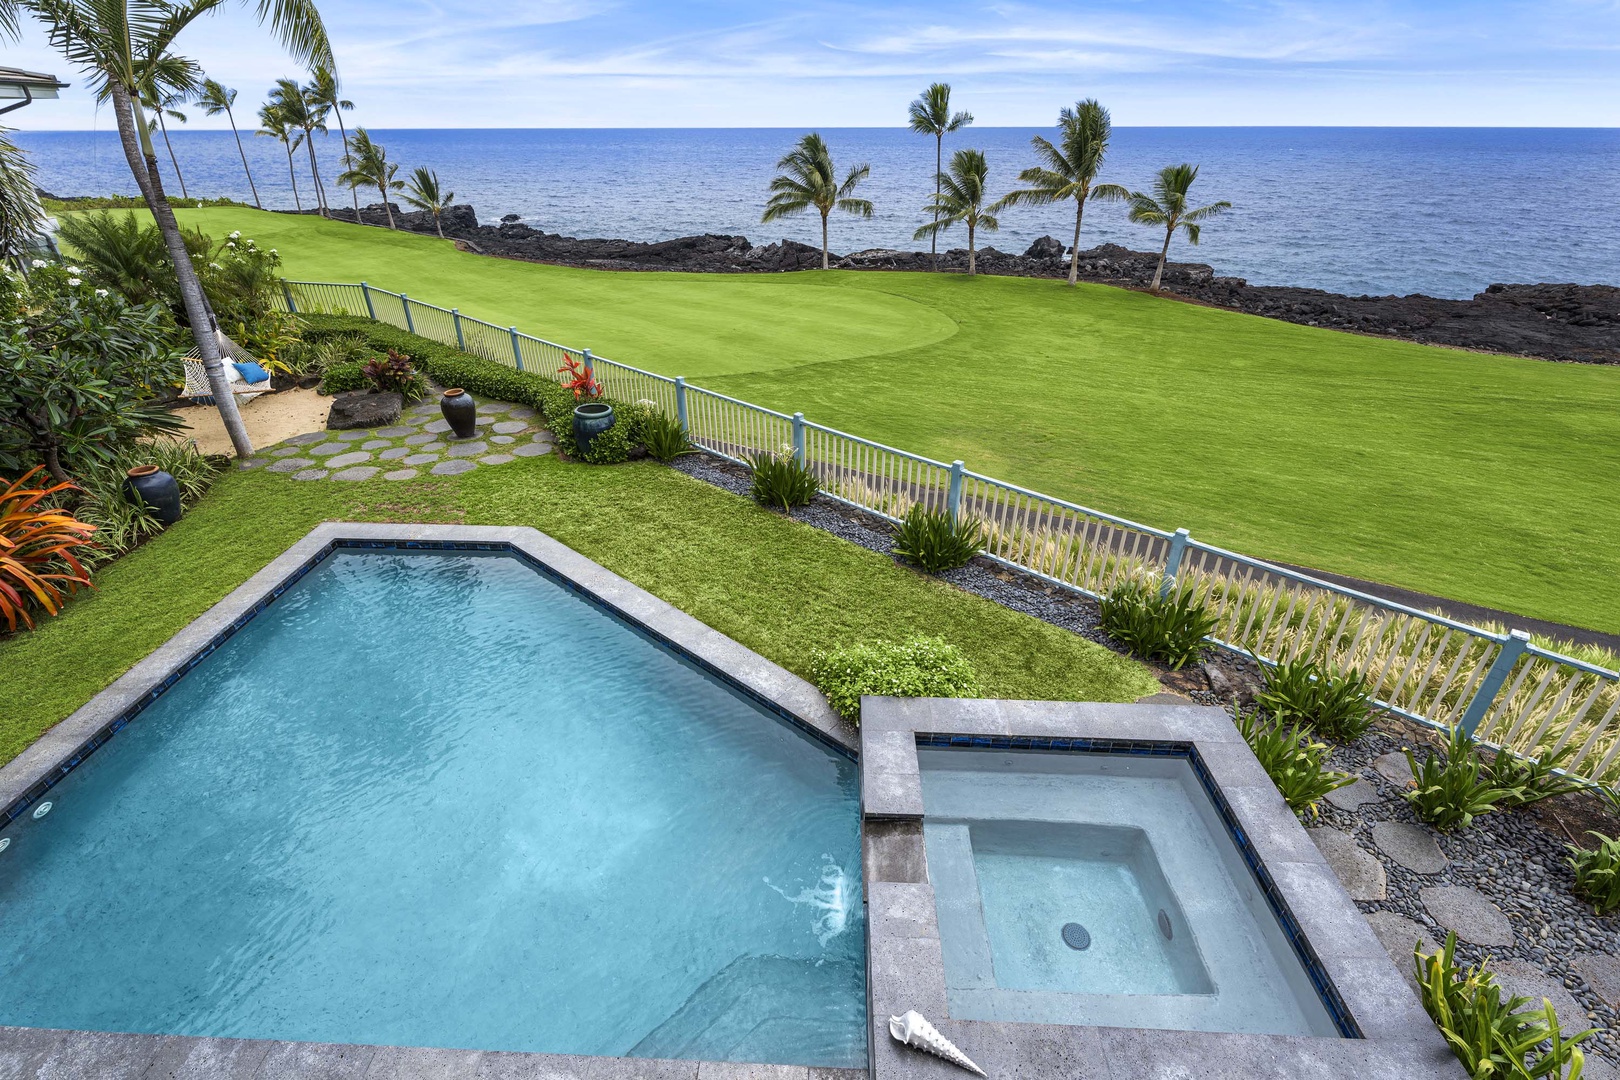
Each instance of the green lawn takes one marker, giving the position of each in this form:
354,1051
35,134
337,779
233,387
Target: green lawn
1485,478
779,587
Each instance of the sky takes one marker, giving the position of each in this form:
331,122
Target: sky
831,63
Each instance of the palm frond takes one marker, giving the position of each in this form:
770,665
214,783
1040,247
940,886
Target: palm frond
1110,193
858,207
298,24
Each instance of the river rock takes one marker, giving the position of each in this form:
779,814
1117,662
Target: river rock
363,409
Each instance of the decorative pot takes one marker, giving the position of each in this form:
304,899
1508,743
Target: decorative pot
590,420
159,491
460,411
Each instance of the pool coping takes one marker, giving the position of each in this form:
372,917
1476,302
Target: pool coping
26,1052
905,963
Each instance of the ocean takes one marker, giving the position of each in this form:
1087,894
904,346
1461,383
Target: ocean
1442,211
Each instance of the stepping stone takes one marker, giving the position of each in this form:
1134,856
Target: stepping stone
1473,917
544,437
491,407
393,432
1602,973
328,448
453,468
394,452
1398,934
310,474
502,439
508,427
483,420
343,460
1412,846
420,459
468,449
1525,979
253,463
283,451
292,464
521,412
306,438
361,472
438,426
1394,768
400,474
531,450
1357,869
375,444
420,438
350,436
497,459
1353,795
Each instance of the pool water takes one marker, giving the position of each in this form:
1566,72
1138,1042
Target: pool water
1101,889
438,799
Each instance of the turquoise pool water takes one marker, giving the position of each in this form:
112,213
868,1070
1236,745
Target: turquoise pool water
440,800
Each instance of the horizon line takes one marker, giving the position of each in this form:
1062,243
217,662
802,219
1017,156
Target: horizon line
902,127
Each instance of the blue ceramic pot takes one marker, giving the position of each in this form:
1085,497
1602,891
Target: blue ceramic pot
590,420
460,412
156,489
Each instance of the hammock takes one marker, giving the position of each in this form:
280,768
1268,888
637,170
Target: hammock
197,387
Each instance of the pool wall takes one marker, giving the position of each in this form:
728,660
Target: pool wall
1388,1033
26,779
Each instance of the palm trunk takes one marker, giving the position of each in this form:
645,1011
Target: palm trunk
315,174
389,210
178,175
973,255
1074,251
438,225
939,163
1158,274
251,185
144,159
293,176
824,239
348,163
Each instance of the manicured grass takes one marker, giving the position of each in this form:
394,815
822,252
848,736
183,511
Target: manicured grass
1485,478
779,587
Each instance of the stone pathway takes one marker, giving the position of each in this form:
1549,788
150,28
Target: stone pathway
419,445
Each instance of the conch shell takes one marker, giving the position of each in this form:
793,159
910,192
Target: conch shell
913,1030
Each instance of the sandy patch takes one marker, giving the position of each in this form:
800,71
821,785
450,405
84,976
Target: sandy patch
270,418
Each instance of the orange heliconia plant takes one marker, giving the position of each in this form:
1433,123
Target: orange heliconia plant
579,379
38,560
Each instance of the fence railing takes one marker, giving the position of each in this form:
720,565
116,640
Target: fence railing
1502,688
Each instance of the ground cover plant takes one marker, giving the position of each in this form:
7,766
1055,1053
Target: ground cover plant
1165,626
916,667
1333,703
1194,417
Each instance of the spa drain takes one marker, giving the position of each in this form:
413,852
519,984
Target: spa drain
1076,936
1164,926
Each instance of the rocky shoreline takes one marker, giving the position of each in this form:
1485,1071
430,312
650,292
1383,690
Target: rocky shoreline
1570,323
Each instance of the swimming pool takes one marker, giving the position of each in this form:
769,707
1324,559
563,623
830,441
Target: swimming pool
440,799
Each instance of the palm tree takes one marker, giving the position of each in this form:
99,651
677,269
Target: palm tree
322,92
369,164
1069,170
118,43
810,181
931,115
165,105
273,123
22,218
961,199
294,104
1167,206
425,193
215,98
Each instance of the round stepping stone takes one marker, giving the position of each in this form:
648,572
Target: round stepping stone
1526,980
508,427
392,432
453,468
394,452
1397,934
375,444
344,460
521,412
544,437
350,436
421,459
1412,846
420,438
481,421
310,474
283,451
400,474
292,464
1602,973
502,440
1353,795
497,459
361,472
307,438
491,407
253,463
328,448
1357,869
468,449
1395,768
531,450
1473,917
437,426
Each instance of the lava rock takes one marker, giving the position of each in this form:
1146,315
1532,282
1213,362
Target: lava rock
363,409
1047,247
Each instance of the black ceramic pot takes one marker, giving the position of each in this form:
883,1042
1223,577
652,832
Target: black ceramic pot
590,420
460,411
159,491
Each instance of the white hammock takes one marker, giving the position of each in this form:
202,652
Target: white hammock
197,385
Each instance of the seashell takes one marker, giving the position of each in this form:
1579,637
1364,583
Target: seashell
913,1030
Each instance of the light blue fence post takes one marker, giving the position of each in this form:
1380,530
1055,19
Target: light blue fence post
1506,660
798,437
953,498
371,309
405,302
680,401
286,291
517,350
461,340
590,364
1172,561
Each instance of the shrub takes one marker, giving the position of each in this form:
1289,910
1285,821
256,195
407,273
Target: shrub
341,378
1495,1039
780,480
917,667
1530,780
665,439
123,524
318,356
1296,763
1336,704
932,542
1169,628
1597,873
395,373
1451,792
40,550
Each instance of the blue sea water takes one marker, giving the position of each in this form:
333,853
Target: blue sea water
440,800
1443,211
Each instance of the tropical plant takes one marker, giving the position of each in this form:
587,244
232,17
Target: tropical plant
580,379
275,124
931,114
395,373
1069,170
1167,208
320,355
1531,779
1450,791
124,255
369,164
916,667
295,105
242,280
665,439
1296,763
810,181
961,200
323,93
934,542
781,480
1167,626
40,549
123,45
22,218
122,523
1337,704
215,98
1493,1038
1597,873
424,192
165,107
